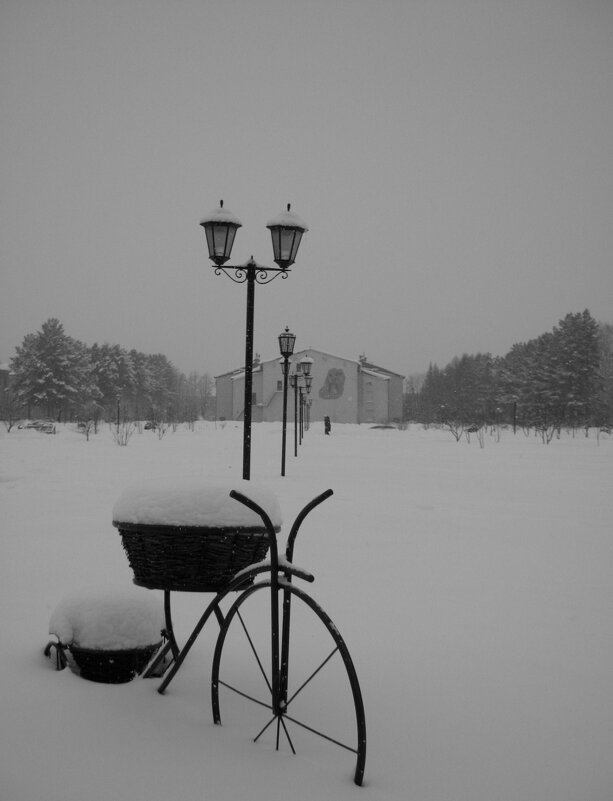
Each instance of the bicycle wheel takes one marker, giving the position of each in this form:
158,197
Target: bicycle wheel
314,687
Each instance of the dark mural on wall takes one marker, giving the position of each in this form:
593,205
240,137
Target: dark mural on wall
333,385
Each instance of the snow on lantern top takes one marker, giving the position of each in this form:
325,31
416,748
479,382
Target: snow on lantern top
288,219
195,503
221,215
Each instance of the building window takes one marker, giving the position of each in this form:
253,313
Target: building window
253,399
279,386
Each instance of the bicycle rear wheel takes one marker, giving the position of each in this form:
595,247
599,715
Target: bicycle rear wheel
315,686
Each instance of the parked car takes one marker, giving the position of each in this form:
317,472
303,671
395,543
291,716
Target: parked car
46,426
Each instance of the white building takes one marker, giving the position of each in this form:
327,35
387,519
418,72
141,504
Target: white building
345,390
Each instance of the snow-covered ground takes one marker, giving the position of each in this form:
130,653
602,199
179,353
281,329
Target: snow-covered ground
473,586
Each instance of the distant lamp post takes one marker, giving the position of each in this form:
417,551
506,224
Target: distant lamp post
220,227
308,383
286,347
294,381
304,365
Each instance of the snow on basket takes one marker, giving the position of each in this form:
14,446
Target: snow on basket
111,632
190,535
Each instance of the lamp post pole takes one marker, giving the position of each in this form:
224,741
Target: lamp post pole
294,382
301,404
286,346
304,366
251,269
308,383
286,230
285,372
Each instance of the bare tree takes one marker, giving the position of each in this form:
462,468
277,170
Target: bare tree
9,409
122,432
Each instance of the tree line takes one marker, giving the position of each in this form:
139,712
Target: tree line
563,378
61,378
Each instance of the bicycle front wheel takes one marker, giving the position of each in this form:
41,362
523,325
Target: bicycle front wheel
314,687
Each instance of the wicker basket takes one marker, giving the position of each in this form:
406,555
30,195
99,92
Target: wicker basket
112,667
190,558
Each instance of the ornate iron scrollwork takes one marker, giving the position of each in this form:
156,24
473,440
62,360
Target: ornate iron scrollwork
261,275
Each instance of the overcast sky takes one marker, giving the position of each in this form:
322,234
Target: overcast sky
452,158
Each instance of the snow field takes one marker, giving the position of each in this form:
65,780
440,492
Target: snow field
472,586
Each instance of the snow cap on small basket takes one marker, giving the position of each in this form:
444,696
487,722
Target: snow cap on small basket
109,617
192,502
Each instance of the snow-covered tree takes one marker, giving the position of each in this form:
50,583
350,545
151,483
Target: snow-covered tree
115,376
163,385
556,379
194,398
604,407
577,361
53,370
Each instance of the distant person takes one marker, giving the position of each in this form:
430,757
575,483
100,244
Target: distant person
327,425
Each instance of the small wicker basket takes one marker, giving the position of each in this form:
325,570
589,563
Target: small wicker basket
190,558
112,667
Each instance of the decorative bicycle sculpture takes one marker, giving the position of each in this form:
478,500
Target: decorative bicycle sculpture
278,652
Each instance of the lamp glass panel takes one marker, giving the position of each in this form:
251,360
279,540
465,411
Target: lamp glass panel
286,344
305,366
220,238
275,234
286,243
295,243
231,233
209,240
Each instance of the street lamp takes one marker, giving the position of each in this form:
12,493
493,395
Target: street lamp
304,367
294,381
220,227
286,347
308,383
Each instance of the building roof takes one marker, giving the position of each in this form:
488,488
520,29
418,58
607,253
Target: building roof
240,370
370,366
366,366
376,374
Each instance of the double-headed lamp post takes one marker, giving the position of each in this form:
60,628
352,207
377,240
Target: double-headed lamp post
286,347
286,230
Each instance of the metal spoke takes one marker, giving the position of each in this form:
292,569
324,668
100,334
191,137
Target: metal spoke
321,734
244,695
255,653
289,739
311,677
257,737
